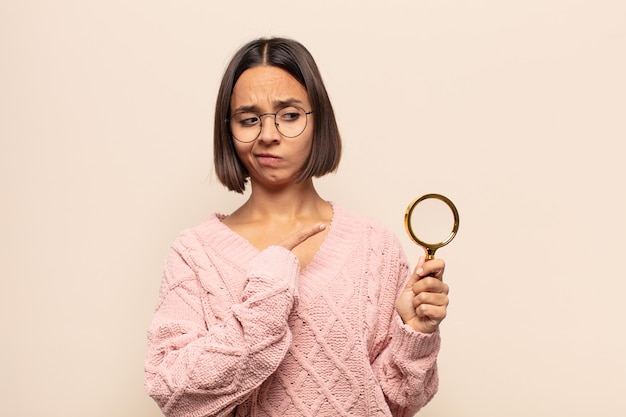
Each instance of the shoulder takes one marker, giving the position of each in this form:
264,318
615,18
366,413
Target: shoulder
359,222
199,235
366,229
376,250
208,241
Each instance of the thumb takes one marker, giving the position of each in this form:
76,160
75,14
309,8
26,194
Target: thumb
417,273
301,235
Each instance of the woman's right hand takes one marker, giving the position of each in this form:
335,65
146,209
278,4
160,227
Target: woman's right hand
301,235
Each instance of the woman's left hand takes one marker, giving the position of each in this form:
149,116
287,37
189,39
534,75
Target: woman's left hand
424,300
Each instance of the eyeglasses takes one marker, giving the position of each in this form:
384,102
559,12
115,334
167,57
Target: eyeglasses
289,121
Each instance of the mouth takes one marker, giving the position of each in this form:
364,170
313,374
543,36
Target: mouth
267,159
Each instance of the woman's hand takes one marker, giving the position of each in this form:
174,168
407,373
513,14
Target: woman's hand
424,300
301,235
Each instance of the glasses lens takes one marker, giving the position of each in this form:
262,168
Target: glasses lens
291,121
245,126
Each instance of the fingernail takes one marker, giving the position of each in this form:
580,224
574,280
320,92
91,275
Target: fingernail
419,271
322,226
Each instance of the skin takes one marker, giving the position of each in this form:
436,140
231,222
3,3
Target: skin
282,212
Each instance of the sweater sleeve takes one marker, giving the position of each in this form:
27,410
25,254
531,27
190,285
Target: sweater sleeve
197,369
406,367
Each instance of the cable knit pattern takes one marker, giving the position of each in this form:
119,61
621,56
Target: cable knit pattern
242,332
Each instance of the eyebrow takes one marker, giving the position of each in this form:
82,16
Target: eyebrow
287,102
277,103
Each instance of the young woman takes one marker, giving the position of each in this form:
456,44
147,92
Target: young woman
291,305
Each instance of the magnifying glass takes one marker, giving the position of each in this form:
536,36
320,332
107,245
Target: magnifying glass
430,214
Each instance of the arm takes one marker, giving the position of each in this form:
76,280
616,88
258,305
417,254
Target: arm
197,369
406,367
205,364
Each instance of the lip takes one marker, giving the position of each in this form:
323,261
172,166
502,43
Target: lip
267,159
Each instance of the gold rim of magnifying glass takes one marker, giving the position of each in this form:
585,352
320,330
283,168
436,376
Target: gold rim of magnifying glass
431,247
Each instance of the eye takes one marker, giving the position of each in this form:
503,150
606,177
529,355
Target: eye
246,119
290,114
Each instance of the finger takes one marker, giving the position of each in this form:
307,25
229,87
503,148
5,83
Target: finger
432,312
415,275
428,298
430,284
420,262
301,235
434,268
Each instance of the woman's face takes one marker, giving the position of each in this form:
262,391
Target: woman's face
272,159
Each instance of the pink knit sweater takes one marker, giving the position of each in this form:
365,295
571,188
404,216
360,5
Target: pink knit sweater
244,332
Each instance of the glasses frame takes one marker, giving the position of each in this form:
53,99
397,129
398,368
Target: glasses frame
260,116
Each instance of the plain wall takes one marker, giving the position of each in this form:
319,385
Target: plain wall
513,109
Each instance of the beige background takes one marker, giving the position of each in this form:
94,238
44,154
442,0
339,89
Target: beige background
514,109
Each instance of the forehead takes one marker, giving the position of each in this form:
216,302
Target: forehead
267,86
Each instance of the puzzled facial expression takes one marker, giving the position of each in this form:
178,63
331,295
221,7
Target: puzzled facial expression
272,157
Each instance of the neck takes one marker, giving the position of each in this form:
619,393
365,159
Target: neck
287,203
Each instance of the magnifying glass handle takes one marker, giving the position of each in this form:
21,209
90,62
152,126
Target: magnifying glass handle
430,254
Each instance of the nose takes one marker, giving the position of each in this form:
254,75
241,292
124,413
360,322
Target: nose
269,131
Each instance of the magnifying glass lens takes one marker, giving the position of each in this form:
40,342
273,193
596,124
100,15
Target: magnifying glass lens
428,223
432,220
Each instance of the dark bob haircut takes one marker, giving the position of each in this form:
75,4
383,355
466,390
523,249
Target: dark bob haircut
294,58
